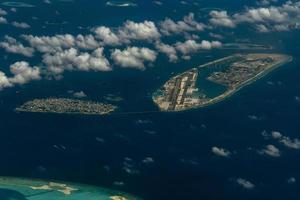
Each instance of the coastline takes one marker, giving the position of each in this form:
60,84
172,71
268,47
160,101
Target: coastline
66,106
12,182
20,110
219,60
230,92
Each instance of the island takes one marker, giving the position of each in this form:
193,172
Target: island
214,81
30,189
52,186
66,106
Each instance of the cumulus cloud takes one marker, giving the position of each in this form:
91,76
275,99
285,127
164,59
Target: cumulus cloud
133,57
80,94
47,44
245,183
276,134
290,143
270,150
72,59
2,12
3,20
191,46
47,1
271,14
4,81
13,10
86,42
265,2
169,50
286,141
264,19
188,24
20,25
107,36
158,3
148,160
67,52
291,180
220,152
51,44
221,18
13,46
143,31
22,73
139,31
262,28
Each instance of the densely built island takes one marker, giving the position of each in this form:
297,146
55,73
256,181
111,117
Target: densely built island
66,106
214,81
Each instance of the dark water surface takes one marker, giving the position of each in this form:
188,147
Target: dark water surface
95,150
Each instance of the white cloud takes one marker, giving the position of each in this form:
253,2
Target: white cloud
276,134
291,180
272,14
107,36
188,24
121,4
158,3
191,46
56,43
47,44
187,47
221,18
220,152
4,82
207,45
139,31
148,160
2,12
23,73
169,50
133,57
270,150
143,31
245,183
262,28
215,35
264,19
47,1
281,27
72,59
13,10
290,143
80,94
265,2
286,141
3,20
20,25
87,42
11,45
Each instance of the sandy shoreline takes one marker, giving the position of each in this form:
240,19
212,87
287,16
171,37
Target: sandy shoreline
228,93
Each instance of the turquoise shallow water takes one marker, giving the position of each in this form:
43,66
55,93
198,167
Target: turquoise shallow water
97,150
25,189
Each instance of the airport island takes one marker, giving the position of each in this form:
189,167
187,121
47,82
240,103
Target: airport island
213,82
66,106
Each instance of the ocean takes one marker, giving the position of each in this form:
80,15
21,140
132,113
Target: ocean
153,155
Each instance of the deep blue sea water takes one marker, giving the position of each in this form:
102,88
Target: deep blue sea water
92,149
